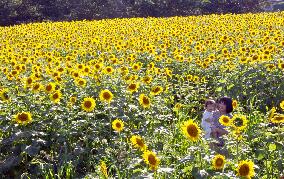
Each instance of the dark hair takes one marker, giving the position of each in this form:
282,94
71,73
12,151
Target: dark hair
228,102
209,102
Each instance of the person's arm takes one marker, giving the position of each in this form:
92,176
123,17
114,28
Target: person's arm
220,131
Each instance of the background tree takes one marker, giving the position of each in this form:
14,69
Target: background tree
24,11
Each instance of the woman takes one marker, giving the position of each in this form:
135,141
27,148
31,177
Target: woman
225,107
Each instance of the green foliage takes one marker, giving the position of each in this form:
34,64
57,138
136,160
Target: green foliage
24,11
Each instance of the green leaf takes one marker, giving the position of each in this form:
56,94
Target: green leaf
272,147
230,87
219,89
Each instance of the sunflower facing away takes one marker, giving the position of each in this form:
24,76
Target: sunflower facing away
151,159
225,120
117,125
245,169
23,118
144,101
106,95
138,142
88,104
218,162
191,130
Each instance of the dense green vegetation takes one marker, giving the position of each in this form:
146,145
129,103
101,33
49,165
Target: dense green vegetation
23,11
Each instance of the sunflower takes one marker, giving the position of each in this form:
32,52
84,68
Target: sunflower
103,169
218,162
282,105
151,159
278,118
124,70
108,70
98,66
29,81
55,96
225,120
156,90
138,142
73,99
81,82
136,67
245,169
144,101
133,87
239,122
36,87
177,107
235,104
117,125
23,118
106,95
50,87
281,66
88,104
147,79
4,95
191,130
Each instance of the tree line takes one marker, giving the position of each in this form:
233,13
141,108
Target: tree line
25,11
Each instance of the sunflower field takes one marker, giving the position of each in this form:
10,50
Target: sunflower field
123,98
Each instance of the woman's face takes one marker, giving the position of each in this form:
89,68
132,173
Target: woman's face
222,108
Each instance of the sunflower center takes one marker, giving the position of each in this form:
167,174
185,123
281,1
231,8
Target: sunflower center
55,96
73,99
118,125
48,88
109,70
156,90
81,82
244,170
132,86
152,159
146,101
225,120
29,81
139,142
219,162
106,96
23,117
192,130
36,86
88,104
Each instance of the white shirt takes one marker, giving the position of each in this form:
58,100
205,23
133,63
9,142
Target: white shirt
206,125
